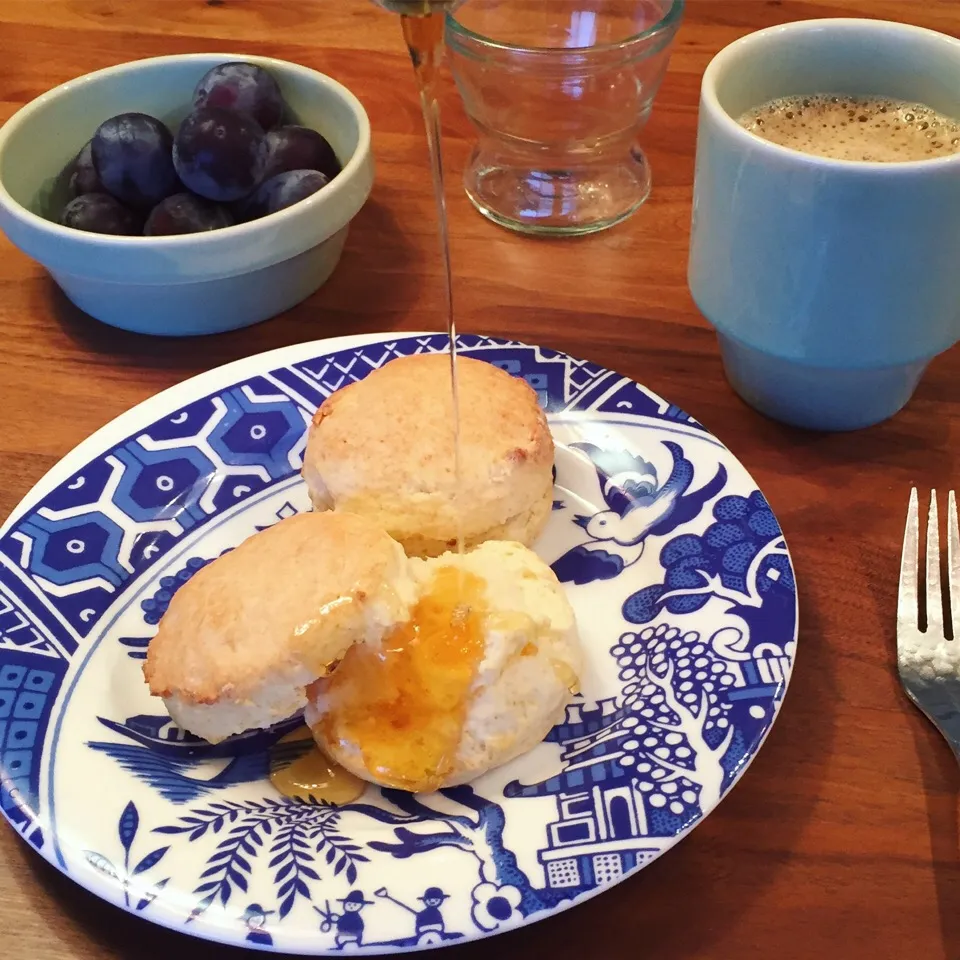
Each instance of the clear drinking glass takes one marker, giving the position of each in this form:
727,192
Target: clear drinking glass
559,91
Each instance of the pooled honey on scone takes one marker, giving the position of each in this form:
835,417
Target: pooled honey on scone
463,687
312,775
401,705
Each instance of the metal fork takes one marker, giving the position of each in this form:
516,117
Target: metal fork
928,662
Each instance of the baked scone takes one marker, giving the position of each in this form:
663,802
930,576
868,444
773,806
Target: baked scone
478,676
247,633
384,448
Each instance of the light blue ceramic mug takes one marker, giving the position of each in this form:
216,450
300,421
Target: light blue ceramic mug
831,283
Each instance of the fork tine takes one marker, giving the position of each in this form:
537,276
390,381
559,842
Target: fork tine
953,562
908,611
934,592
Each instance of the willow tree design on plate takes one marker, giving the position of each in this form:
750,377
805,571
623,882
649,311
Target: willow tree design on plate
674,733
671,736
301,837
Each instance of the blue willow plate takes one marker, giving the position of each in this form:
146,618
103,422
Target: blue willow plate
674,562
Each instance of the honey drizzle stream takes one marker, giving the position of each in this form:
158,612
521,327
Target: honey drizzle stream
313,775
424,37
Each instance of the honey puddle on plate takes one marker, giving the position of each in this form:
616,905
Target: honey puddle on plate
311,775
401,705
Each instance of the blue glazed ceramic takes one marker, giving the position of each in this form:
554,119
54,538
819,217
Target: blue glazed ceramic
190,284
831,283
672,558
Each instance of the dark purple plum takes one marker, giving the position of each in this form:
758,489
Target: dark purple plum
283,190
83,175
185,213
300,148
132,156
219,154
244,88
100,213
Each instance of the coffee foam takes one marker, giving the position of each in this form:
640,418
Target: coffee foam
878,129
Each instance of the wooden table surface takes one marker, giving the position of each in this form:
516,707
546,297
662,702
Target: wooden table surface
842,839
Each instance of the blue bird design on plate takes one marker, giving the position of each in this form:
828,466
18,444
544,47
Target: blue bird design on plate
637,508
167,758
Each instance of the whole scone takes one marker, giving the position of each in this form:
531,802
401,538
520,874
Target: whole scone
383,448
244,637
477,677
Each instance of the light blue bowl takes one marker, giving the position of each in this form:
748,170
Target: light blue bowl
192,284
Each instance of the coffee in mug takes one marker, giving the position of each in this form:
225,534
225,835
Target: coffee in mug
878,129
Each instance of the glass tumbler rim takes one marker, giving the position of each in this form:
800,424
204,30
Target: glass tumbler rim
459,33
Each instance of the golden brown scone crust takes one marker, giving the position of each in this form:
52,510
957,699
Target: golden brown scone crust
384,448
247,632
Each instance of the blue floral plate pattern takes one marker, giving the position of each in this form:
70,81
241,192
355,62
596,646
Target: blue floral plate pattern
674,562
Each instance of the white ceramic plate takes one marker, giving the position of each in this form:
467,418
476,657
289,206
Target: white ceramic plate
675,565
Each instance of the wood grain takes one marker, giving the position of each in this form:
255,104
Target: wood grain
842,839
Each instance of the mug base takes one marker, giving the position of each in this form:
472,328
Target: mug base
817,398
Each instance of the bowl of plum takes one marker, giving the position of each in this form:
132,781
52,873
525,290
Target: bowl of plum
189,194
